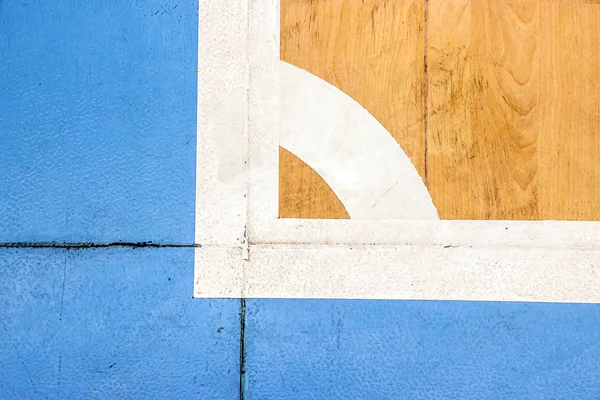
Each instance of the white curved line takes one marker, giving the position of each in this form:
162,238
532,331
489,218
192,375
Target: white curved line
357,157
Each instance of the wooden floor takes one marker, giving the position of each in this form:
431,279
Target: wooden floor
496,102
303,193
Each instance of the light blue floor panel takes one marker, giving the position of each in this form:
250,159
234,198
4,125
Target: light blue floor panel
112,323
327,349
98,120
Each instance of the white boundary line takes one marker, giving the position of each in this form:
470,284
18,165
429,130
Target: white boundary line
222,150
342,142
363,259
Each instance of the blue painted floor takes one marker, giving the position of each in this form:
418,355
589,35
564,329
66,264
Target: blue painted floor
98,120
97,146
316,349
112,323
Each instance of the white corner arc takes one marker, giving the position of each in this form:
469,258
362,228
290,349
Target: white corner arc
355,155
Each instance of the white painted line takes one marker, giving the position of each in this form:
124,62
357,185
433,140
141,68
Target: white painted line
263,112
540,234
219,272
356,156
427,273
222,149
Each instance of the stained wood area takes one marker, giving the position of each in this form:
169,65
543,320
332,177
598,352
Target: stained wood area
373,50
303,193
513,109
512,99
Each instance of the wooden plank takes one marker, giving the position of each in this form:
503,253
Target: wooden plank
513,110
569,148
303,193
481,115
373,50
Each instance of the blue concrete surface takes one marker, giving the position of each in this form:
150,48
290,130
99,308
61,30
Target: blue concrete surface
98,144
112,323
98,120
317,349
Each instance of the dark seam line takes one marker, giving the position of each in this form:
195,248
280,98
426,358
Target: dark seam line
425,96
85,245
242,370
242,347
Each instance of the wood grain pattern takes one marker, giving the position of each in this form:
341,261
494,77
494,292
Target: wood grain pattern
512,99
569,143
303,193
373,50
513,106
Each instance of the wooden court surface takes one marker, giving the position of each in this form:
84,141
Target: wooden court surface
496,102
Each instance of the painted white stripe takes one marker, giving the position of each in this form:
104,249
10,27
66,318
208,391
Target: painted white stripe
222,139
357,157
541,234
404,272
219,272
263,112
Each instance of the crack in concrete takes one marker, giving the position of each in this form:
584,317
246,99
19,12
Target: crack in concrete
242,347
84,245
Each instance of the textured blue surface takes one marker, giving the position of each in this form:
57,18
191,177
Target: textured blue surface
316,349
98,120
114,324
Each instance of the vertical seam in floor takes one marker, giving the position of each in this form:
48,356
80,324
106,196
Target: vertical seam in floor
245,248
425,97
242,371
